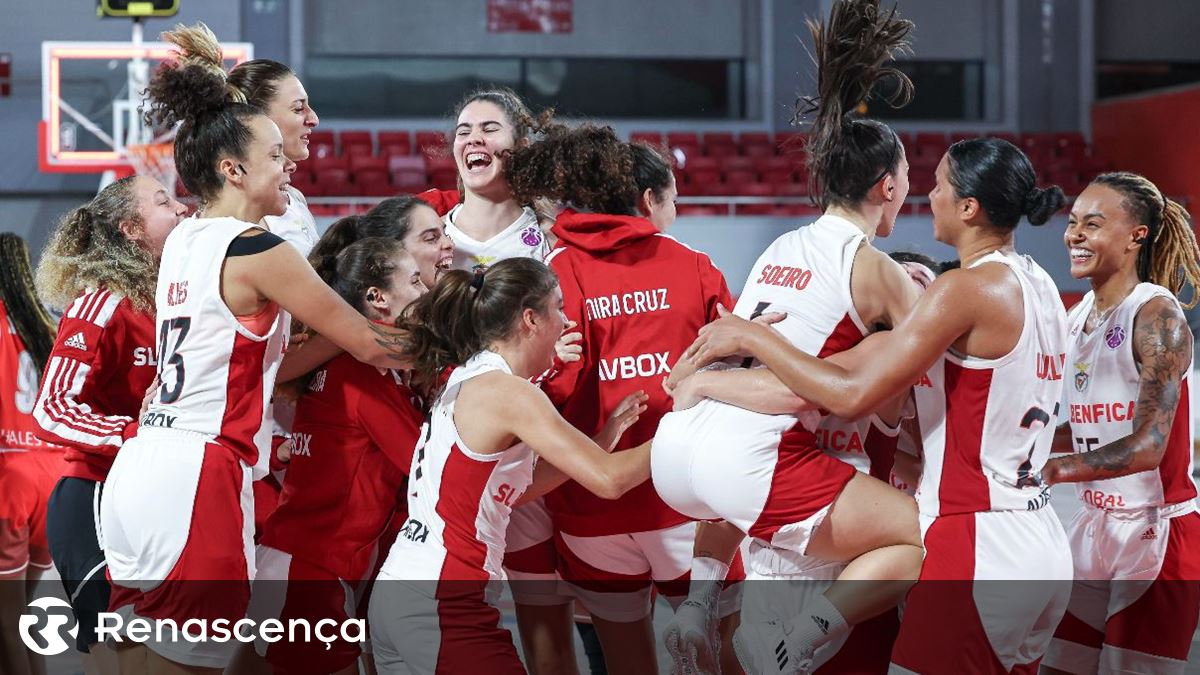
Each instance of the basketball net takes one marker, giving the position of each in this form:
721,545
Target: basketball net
157,160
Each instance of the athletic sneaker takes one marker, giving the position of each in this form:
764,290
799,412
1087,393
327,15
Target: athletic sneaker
692,639
767,649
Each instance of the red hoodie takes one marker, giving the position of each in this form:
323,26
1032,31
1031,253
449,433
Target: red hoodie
639,298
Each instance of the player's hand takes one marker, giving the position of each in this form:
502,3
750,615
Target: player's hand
624,416
688,393
297,339
148,397
568,348
730,335
284,451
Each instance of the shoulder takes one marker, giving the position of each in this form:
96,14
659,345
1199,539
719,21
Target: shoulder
98,307
1160,313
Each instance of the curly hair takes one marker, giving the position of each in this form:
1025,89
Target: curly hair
88,250
194,90
587,167
26,315
846,155
465,312
1169,255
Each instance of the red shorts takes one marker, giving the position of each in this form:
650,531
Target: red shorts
288,588
26,481
1136,599
176,519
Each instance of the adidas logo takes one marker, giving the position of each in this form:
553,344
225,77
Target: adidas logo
1149,535
76,341
781,655
823,624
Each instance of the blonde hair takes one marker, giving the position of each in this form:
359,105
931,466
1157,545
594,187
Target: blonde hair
1169,256
88,250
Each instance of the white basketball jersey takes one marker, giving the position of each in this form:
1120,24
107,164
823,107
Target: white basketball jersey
1101,393
297,225
459,501
216,375
523,239
864,444
805,274
987,424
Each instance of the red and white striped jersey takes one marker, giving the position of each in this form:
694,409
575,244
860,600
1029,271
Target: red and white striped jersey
868,444
18,392
987,424
101,366
296,226
459,501
217,375
1101,393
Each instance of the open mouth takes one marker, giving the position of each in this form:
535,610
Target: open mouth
476,161
444,264
1080,255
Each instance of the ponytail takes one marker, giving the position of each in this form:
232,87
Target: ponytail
26,314
323,257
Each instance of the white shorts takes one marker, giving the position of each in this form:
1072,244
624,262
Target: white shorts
993,588
1136,601
530,558
613,575
762,473
177,528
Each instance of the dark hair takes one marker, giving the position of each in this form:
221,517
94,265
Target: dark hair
88,250
1000,176
194,90
587,166
464,313
25,313
949,265
1169,255
389,219
847,154
651,170
255,81
919,258
361,265
507,100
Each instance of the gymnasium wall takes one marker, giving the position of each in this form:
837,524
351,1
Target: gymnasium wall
1154,134
1150,30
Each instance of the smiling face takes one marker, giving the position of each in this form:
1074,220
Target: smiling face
428,244
548,327
482,131
404,285
158,212
291,112
265,171
1101,234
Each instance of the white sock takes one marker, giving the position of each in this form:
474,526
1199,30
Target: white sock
708,577
818,623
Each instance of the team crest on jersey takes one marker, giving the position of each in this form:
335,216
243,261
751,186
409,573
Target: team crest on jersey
1081,376
482,262
531,236
1115,337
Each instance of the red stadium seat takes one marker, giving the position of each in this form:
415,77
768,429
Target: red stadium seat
317,136
682,138
788,142
361,163
395,143
377,187
757,144
431,143
721,151
408,172
341,188
777,170
647,137
318,164
720,144
701,210
332,176
443,173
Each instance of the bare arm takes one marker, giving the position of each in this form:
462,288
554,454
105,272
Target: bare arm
1162,345
282,275
887,366
306,357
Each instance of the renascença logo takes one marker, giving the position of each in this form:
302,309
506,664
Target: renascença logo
51,633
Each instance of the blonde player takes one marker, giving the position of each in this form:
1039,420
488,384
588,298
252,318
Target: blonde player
985,346
176,505
1128,376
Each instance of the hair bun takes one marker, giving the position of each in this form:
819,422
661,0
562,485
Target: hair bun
1041,203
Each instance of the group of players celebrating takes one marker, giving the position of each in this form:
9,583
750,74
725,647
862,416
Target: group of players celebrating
458,388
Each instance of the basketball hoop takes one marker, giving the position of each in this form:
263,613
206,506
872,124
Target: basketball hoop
157,160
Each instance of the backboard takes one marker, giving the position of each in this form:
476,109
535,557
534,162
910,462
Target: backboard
91,92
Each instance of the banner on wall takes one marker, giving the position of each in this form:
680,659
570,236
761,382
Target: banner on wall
529,16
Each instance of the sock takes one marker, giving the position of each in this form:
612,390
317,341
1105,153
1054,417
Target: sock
708,577
817,624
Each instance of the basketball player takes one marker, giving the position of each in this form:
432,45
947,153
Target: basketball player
28,466
99,268
222,280
637,297
1136,537
431,607
834,288
988,372
356,427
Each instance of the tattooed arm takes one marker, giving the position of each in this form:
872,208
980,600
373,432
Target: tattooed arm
1162,348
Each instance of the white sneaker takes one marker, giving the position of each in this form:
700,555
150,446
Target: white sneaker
766,649
692,639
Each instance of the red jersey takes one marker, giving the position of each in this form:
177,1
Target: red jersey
18,392
102,364
441,200
353,441
639,297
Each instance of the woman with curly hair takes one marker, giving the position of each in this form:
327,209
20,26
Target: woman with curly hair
99,268
28,466
176,504
638,297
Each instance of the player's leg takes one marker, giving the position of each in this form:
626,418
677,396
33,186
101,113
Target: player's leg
544,610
